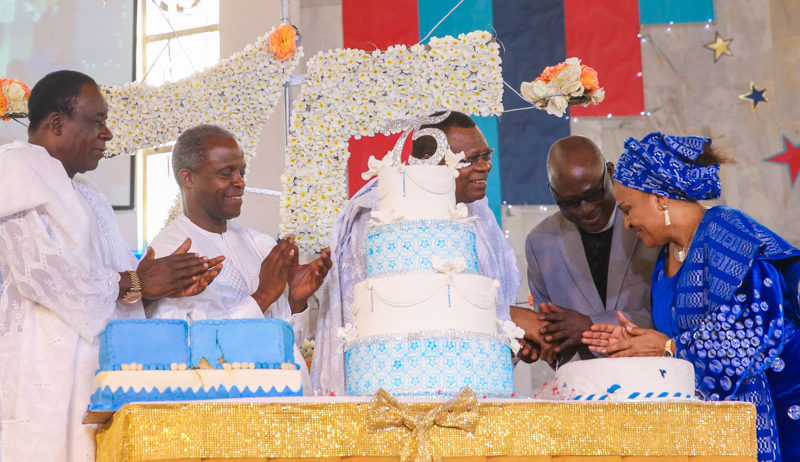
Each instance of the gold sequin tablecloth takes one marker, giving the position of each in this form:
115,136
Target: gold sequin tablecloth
506,431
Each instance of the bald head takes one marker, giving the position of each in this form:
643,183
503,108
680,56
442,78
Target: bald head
573,156
580,181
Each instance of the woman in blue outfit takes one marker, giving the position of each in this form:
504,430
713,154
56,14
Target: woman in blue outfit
725,288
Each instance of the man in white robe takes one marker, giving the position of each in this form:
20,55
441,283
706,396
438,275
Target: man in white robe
495,257
209,167
64,270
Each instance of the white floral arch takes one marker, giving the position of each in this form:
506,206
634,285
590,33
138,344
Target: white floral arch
356,93
239,93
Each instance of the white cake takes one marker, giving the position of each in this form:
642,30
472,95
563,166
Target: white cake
425,320
617,379
417,192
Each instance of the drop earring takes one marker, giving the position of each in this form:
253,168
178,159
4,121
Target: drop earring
667,222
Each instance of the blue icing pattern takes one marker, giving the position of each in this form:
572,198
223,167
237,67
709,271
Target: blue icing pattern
153,343
107,400
429,367
407,247
260,341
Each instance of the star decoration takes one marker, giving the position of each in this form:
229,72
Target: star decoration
755,95
720,46
789,156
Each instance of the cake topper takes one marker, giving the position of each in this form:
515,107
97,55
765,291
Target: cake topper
409,125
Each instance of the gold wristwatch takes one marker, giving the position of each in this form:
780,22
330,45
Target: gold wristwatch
134,293
668,349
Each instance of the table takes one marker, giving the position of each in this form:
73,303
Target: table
336,430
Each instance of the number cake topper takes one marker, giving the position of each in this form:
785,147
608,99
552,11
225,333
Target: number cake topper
409,125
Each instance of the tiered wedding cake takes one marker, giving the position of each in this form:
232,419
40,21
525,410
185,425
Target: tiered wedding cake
425,320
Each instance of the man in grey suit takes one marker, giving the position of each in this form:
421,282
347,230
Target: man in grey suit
583,265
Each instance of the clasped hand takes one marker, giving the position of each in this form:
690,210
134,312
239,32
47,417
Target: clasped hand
552,333
533,345
624,339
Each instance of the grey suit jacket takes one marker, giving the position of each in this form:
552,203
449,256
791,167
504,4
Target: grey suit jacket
558,272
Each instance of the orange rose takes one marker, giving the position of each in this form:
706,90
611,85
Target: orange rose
550,72
3,104
13,96
589,78
282,42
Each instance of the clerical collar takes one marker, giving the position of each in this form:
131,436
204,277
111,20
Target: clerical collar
610,223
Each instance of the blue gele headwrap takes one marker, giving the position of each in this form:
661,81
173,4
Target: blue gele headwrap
662,164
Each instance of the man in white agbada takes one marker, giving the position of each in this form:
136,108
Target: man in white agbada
209,167
64,272
495,257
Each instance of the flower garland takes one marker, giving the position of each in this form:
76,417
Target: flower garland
357,93
239,94
565,84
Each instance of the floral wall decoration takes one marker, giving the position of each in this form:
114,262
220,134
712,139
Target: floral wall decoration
357,93
239,93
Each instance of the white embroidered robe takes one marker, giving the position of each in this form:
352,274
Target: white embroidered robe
60,258
229,295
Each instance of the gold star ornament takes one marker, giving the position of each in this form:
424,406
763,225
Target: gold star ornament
720,46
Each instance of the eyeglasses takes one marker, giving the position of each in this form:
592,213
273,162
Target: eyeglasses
591,196
472,160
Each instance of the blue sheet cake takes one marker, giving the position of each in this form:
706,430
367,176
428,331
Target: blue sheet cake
165,360
425,320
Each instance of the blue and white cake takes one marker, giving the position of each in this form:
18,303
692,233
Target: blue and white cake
425,320
622,379
162,360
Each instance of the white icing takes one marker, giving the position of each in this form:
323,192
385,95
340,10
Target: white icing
198,379
449,268
374,166
383,216
620,378
513,332
348,332
453,160
419,302
430,191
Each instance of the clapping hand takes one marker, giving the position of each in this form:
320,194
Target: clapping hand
179,274
274,273
304,280
624,339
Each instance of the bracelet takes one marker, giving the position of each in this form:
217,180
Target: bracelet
134,293
668,349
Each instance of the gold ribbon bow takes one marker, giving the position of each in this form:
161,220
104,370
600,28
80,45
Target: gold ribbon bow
387,413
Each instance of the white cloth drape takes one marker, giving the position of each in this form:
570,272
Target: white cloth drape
495,260
229,295
60,258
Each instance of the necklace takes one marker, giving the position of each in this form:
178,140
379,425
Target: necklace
682,253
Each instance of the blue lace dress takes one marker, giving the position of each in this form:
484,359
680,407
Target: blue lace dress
732,311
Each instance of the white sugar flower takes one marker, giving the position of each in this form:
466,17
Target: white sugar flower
347,333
